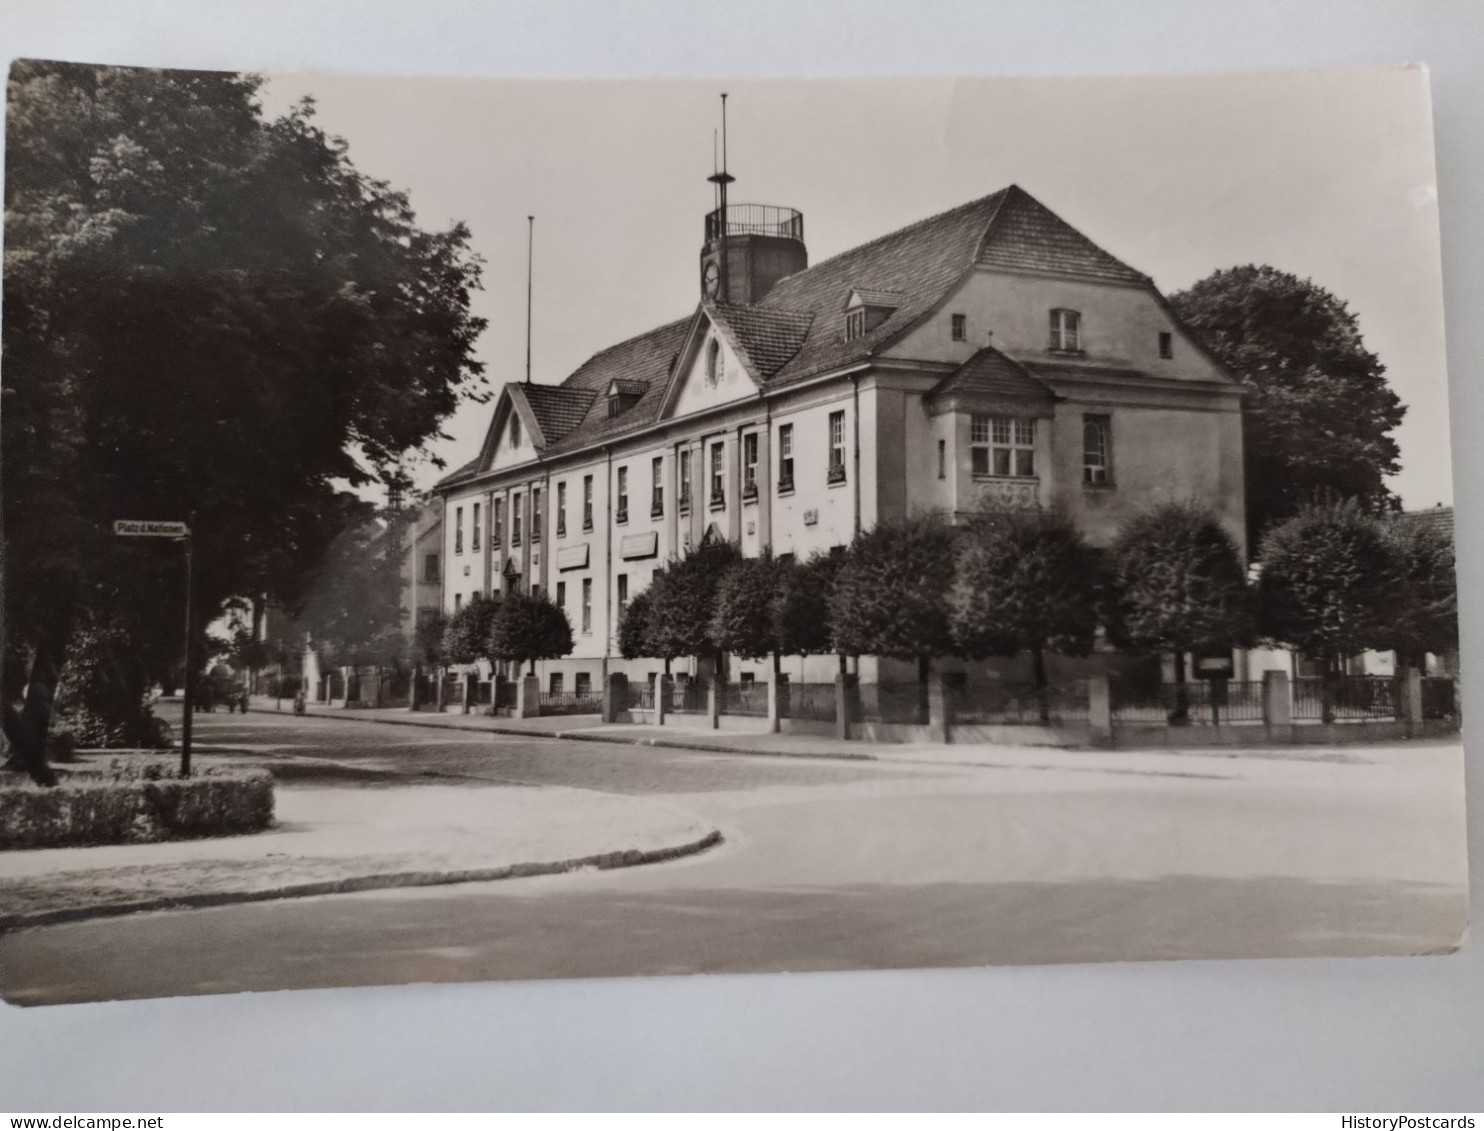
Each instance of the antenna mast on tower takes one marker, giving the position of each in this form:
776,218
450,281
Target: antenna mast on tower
721,180
530,260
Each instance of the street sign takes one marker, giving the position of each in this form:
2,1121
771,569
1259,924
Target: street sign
139,528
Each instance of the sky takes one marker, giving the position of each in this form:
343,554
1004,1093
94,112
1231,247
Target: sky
1326,174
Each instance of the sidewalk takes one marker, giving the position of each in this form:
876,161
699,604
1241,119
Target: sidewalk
331,840
589,728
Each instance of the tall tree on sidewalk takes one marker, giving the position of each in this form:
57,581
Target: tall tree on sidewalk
1426,618
682,601
528,627
890,596
1179,587
207,313
1026,582
1319,415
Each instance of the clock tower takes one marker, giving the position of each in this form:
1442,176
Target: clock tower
748,247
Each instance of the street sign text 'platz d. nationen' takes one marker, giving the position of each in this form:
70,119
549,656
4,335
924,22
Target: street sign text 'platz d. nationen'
142,529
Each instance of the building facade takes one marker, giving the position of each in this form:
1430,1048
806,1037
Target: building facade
986,358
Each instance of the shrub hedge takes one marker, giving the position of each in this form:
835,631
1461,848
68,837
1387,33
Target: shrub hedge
127,804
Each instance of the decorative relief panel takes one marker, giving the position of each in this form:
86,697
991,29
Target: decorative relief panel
1009,494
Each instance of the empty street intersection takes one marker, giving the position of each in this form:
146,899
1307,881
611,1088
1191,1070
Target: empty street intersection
1004,856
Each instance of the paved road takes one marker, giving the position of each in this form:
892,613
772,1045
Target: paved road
838,865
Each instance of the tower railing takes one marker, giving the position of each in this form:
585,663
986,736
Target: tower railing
756,220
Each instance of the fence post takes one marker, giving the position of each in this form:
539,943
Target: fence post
775,703
939,708
847,703
1411,704
713,702
664,691
616,698
1100,710
528,697
1277,706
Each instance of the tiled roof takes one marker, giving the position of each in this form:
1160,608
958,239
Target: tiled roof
765,337
1025,235
558,409
989,371
458,475
1439,517
797,329
646,359
889,299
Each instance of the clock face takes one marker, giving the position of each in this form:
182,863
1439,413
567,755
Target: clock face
711,279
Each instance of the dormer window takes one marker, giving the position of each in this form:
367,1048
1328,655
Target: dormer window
623,395
1066,331
867,309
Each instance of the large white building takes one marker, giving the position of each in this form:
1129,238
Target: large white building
988,357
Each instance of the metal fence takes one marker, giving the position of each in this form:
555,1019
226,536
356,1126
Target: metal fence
639,697
571,703
505,693
688,697
814,701
744,699
894,702
1349,698
1439,697
1202,702
1017,703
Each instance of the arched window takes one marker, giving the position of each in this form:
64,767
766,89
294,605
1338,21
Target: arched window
713,362
1097,452
514,430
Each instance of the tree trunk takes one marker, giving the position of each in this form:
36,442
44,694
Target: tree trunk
26,729
667,665
1326,689
1181,713
924,674
1038,662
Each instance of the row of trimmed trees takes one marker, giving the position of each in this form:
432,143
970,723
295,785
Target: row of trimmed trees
519,628
1334,581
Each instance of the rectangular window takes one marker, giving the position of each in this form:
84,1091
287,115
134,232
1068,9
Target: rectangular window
1066,331
587,502
960,327
1166,344
561,595
622,509
458,601
785,457
855,323
474,542
685,480
718,474
535,515
1097,451
749,466
561,508
583,684
430,569
458,530
556,683
837,447
1002,446
587,604
497,520
942,459
517,515
657,487
623,593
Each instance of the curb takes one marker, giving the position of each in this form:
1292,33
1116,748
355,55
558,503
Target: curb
584,736
603,861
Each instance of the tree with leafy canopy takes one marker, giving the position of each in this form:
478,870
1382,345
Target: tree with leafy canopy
682,600
209,316
353,609
1330,585
1026,582
800,611
633,628
466,634
1319,415
428,639
528,627
1426,618
1179,587
890,596
742,618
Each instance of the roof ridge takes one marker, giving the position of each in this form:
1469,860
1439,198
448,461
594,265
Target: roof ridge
966,207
